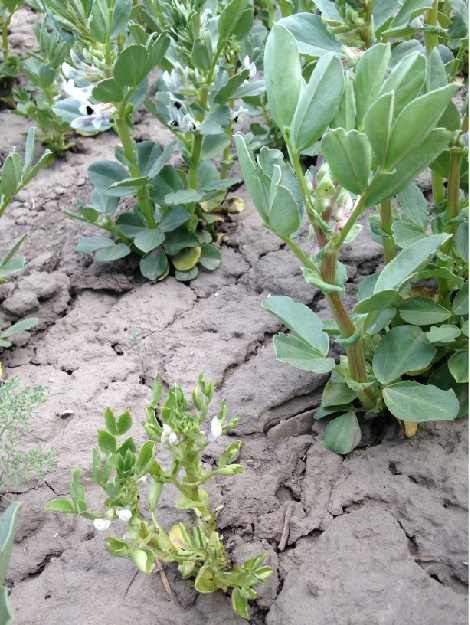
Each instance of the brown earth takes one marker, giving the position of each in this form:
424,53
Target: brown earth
378,537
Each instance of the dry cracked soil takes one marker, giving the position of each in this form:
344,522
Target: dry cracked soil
378,537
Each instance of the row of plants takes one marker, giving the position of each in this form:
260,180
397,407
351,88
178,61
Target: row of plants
355,107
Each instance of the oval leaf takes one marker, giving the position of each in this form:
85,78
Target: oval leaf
343,434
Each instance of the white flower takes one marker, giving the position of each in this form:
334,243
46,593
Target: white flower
417,23
142,480
189,123
238,114
251,66
172,439
101,524
82,94
95,117
216,430
167,431
124,515
174,82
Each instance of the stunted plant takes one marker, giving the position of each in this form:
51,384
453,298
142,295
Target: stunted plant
17,465
198,49
122,474
15,176
380,129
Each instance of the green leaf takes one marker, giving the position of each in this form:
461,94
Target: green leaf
143,560
461,241
10,179
7,536
130,68
179,239
12,267
301,355
130,224
414,206
370,72
380,319
149,240
337,394
155,491
402,349
443,334
375,302
319,102
110,421
406,233
117,548
343,434
300,320
210,257
406,80
252,178
146,458
108,90
346,115
120,19
458,366
311,34
187,276
313,278
436,72
115,252
284,216
186,196
214,144
172,218
239,604
124,423
416,403
349,157
154,264
422,311
408,262
90,244
283,75
60,505
417,119
387,184
378,124
19,327
104,173
460,303
230,16
99,21
226,92
106,442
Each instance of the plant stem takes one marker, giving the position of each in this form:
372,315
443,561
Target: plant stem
197,143
366,32
430,19
386,224
129,151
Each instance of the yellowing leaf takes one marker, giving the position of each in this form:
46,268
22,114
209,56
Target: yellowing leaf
177,539
165,273
187,258
423,291
410,428
234,204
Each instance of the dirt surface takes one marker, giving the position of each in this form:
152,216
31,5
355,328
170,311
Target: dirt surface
376,538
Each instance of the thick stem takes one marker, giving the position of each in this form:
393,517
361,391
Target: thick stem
453,185
366,32
430,18
386,224
129,151
197,143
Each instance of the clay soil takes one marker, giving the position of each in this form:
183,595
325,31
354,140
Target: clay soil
378,537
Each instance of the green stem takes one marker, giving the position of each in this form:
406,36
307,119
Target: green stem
129,151
386,225
453,185
430,19
366,32
197,143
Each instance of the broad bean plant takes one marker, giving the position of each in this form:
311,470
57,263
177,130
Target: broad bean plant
122,474
202,54
7,536
376,126
15,175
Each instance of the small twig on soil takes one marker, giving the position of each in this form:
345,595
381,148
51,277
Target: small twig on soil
285,529
425,558
166,583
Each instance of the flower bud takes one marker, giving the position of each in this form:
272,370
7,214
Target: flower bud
216,430
101,524
124,515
